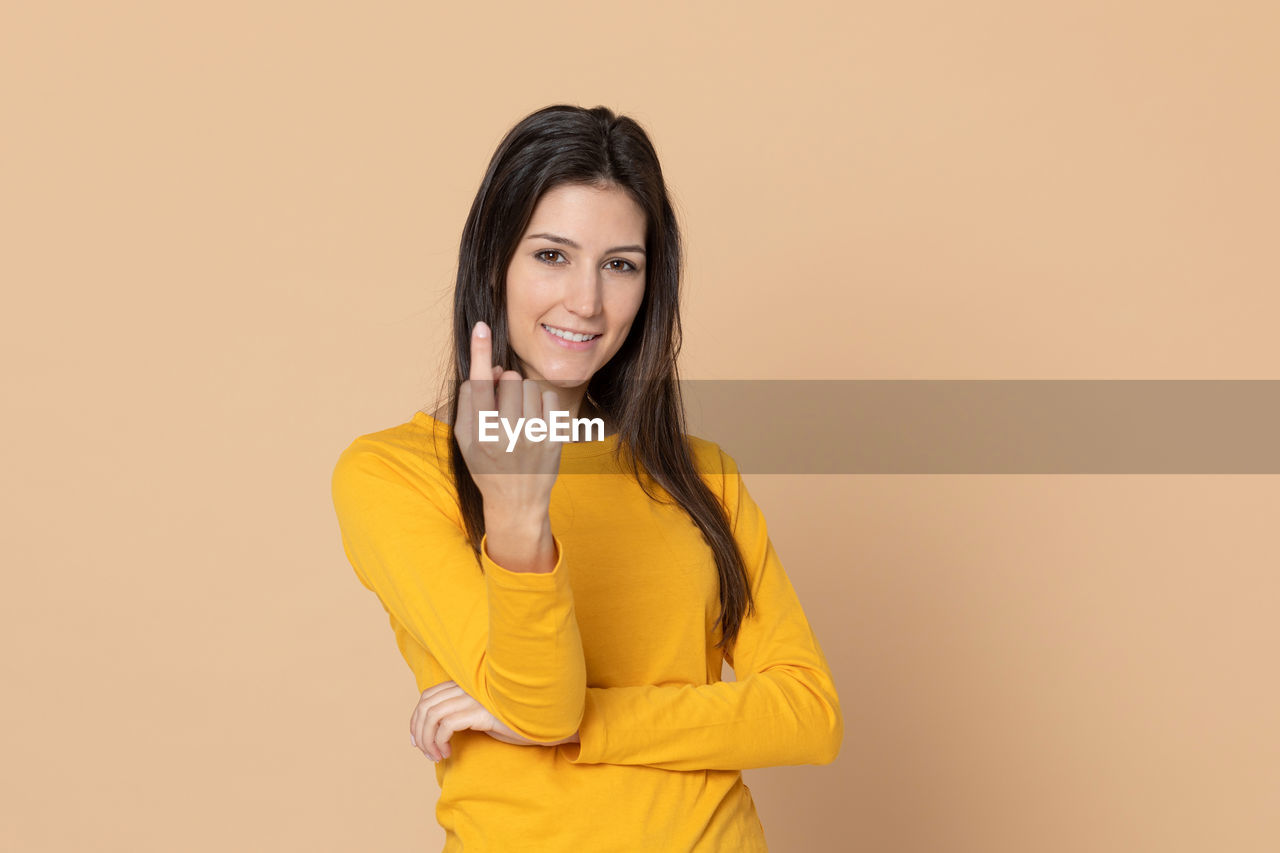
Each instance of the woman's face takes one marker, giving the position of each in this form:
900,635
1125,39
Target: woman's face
579,268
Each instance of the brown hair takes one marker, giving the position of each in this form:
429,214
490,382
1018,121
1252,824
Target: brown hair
638,389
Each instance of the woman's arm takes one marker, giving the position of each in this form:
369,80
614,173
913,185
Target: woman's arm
783,709
445,709
508,638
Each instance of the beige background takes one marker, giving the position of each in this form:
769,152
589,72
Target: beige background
229,238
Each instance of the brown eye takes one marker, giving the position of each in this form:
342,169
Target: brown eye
539,256
630,266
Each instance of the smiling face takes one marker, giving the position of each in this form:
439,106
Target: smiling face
579,268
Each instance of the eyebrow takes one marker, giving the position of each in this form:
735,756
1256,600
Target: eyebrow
565,241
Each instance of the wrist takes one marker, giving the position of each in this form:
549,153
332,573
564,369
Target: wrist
522,544
517,520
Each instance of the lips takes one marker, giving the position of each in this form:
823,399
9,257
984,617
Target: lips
563,343
554,329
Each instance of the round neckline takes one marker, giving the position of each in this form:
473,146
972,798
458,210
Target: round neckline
568,449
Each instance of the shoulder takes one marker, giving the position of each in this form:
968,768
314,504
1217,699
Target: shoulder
717,468
711,457
415,452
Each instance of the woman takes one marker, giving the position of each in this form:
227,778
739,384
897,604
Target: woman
566,606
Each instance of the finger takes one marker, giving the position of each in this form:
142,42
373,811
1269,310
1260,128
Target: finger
550,403
464,424
498,370
468,716
443,719
432,710
417,727
421,706
511,398
444,731
482,366
426,715
436,709
532,399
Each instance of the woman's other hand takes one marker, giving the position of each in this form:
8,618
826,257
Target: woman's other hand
446,708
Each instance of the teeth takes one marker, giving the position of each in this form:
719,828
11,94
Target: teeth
568,336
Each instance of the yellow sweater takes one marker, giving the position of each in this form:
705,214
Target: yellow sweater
615,643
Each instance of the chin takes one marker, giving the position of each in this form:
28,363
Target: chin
567,384
564,379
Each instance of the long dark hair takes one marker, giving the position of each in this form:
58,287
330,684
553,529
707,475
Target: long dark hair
638,389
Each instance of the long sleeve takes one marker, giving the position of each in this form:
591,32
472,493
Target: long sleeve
783,709
509,639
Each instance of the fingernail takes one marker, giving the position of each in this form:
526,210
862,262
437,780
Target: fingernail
482,331
412,741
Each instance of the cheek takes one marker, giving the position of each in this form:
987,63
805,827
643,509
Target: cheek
635,313
627,317
527,291
626,306
521,302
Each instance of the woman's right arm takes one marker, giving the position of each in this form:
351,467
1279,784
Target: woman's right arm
508,637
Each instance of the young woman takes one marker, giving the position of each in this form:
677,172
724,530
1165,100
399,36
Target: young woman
565,606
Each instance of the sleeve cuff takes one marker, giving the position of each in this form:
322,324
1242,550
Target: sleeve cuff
524,580
590,748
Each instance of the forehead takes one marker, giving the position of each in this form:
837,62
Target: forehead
589,214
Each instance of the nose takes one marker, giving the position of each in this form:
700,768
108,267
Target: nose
583,292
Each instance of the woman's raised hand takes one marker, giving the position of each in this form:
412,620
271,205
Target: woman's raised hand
518,480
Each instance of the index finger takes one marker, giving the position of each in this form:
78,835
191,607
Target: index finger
482,366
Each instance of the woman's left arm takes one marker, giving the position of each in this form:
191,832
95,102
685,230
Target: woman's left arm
782,709
445,708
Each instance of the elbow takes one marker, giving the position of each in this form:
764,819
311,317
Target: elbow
543,716
542,707
546,725
826,723
571,720
556,721
567,729
827,745
817,723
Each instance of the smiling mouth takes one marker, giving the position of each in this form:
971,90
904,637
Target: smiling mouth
569,336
